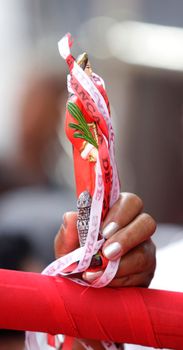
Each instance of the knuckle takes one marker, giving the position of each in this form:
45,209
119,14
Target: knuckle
134,200
152,248
149,248
137,201
147,256
149,223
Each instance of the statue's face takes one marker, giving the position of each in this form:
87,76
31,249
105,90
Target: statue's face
88,69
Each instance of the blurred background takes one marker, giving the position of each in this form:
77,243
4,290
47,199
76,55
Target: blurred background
137,47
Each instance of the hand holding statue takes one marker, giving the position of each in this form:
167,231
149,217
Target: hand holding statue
128,231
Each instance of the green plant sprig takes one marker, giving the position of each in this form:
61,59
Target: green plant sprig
82,125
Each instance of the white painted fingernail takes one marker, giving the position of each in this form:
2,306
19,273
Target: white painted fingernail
110,229
112,250
91,276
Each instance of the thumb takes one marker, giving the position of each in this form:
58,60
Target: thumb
66,239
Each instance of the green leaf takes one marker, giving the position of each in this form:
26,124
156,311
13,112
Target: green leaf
82,124
81,136
76,113
77,135
76,126
79,117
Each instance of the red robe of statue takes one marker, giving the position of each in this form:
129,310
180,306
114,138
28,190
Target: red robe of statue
85,168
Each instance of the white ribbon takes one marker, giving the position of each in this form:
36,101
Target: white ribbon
83,255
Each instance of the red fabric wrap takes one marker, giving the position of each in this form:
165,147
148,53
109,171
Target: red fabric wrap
91,113
128,315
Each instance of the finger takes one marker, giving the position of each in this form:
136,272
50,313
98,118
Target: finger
127,207
66,239
91,276
135,280
138,231
139,259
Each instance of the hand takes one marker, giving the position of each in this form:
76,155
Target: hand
129,231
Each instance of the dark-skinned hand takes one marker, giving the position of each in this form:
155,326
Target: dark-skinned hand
128,234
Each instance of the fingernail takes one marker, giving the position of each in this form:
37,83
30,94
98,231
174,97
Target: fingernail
110,229
112,250
91,276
